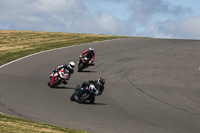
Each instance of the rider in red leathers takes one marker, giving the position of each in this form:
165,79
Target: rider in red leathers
90,54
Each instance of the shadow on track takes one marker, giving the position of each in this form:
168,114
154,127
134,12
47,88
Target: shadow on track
62,87
88,103
87,71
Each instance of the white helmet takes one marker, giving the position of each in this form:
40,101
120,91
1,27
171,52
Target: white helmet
91,50
91,87
72,64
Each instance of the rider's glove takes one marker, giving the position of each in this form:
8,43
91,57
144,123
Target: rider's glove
54,70
96,92
80,56
90,62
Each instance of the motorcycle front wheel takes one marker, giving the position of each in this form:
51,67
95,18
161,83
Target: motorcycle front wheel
56,81
80,67
85,96
72,98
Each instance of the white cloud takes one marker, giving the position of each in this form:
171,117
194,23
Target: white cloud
143,11
107,23
191,25
40,14
59,15
187,28
78,17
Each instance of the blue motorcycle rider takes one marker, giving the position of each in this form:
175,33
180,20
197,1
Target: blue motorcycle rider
97,85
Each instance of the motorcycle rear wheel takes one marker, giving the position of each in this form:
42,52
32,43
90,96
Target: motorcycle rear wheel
92,100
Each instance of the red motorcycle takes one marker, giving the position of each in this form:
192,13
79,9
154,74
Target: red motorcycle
58,77
84,63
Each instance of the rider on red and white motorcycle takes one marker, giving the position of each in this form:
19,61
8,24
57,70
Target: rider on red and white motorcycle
69,67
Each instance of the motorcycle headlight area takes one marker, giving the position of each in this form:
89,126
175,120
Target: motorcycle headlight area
56,74
62,74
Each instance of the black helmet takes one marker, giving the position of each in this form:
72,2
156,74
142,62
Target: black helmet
101,81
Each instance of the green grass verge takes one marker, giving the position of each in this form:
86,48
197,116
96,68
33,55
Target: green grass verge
16,44
10,124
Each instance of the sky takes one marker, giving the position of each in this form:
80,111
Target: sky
173,19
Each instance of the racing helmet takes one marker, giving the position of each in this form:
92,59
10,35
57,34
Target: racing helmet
101,81
91,50
91,87
72,64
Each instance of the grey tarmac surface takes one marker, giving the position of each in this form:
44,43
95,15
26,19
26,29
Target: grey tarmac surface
152,86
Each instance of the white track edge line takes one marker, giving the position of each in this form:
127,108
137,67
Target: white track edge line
53,50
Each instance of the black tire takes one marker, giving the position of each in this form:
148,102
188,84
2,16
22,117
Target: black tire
56,81
80,67
72,98
85,96
92,99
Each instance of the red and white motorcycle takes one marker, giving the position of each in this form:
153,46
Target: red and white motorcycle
58,77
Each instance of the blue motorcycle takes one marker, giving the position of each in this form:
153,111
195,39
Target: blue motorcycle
82,94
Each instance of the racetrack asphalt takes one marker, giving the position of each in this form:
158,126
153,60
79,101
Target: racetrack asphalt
152,86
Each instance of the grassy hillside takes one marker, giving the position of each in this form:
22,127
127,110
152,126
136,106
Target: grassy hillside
10,124
16,44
